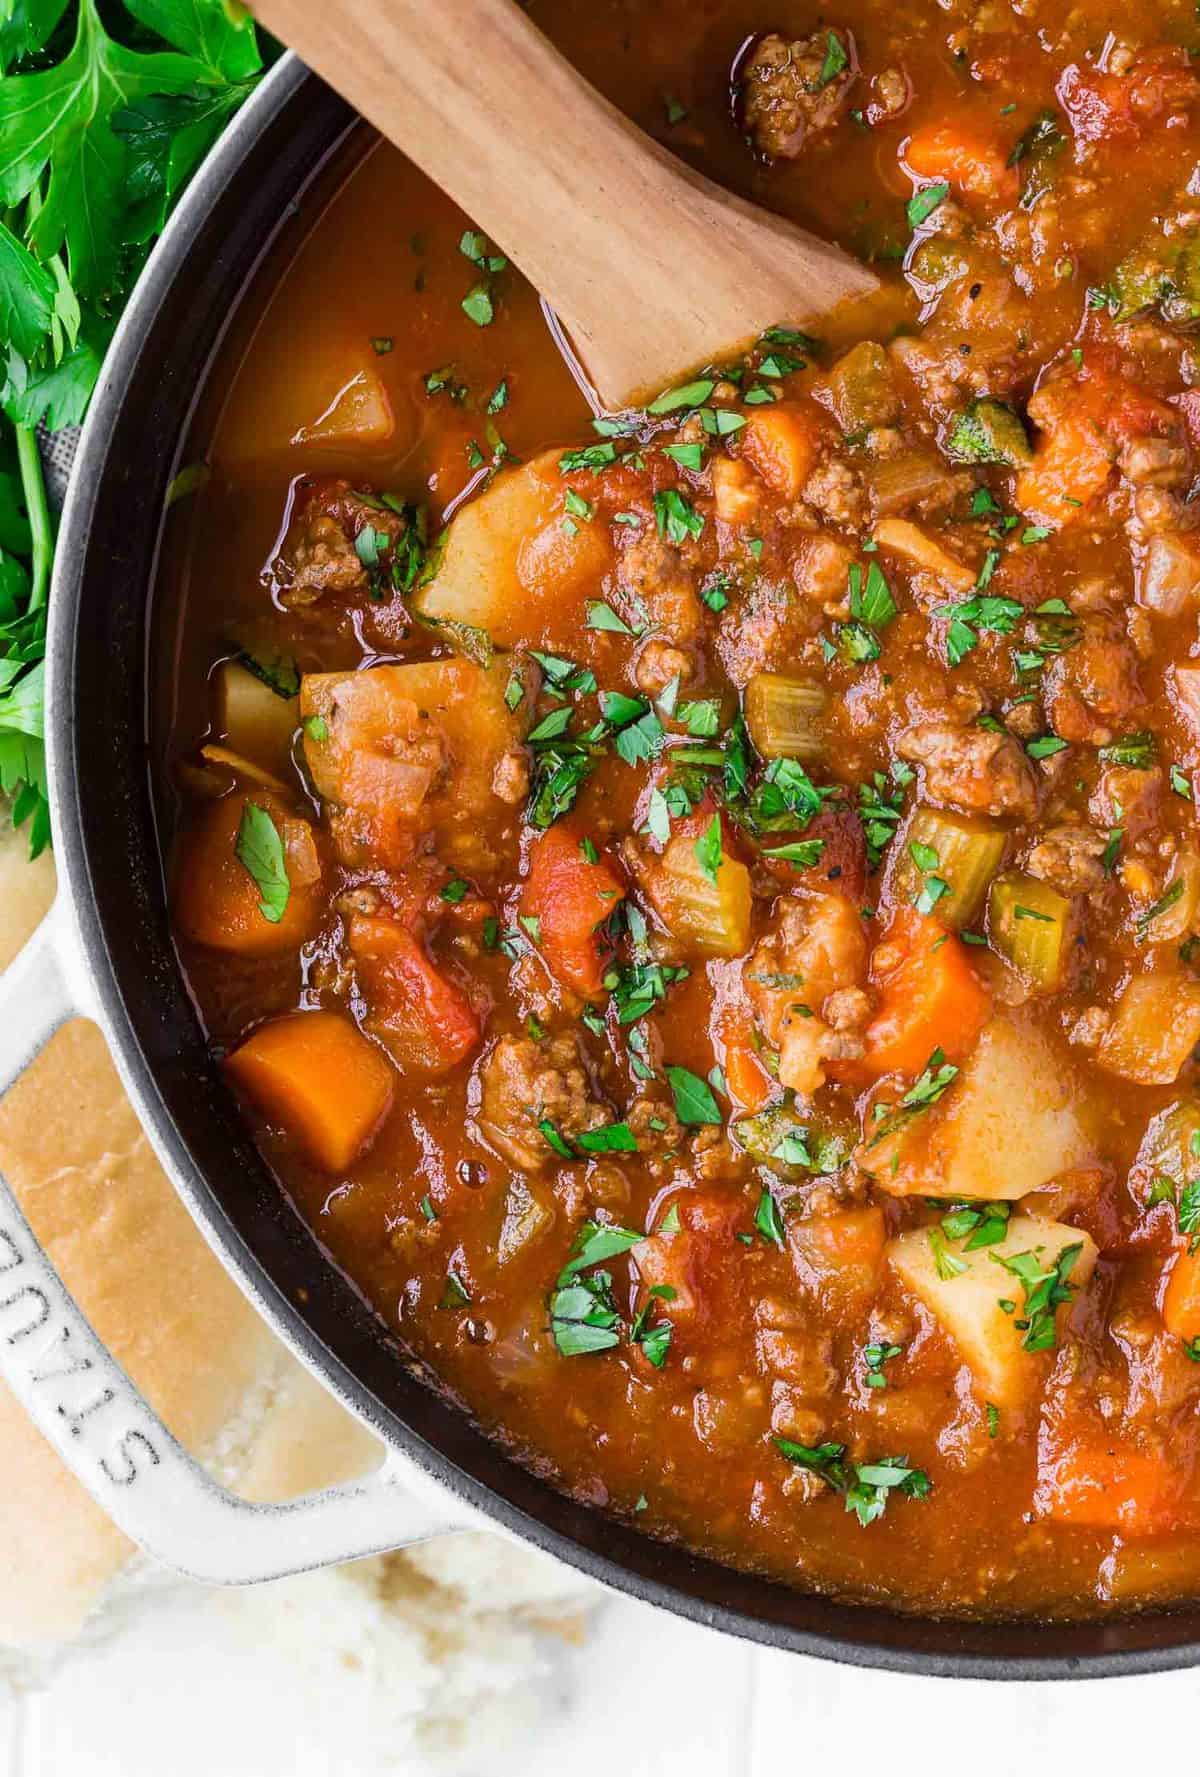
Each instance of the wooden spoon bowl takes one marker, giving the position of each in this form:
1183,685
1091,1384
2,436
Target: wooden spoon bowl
652,269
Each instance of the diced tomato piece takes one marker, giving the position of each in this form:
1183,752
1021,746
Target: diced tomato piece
931,998
839,1258
842,865
701,1261
571,897
421,1015
1100,105
972,162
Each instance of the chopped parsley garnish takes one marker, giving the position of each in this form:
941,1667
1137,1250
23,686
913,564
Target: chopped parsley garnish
805,854
872,608
979,1224
557,775
1045,1292
1172,893
477,305
456,1293
970,616
708,849
591,456
551,726
876,1356
715,592
1045,746
693,394
455,890
867,1486
675,516
879,806
1189,1214
931,1084
701,718
945,1263
583,1315
1137,750
614,1138
835,60
923,203
688,456
694,1101
596,1242
767,1219
602,616
259,850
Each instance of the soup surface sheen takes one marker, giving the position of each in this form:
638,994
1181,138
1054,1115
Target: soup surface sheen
709,938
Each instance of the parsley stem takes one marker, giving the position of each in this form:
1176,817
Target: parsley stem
41,525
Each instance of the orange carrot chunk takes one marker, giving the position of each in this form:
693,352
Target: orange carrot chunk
972,163
318,1076
931,998
750,1085
570,895
780,444
1111,1487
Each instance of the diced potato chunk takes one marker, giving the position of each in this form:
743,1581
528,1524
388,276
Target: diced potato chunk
1011,1122
403,751
1156,1027
511,567
920,551
967,1303
327,398
317,1075
254,720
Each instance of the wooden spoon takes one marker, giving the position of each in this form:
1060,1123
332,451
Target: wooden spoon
652,269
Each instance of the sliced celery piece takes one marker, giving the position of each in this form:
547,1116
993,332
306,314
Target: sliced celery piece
959,850
784,717
1028,924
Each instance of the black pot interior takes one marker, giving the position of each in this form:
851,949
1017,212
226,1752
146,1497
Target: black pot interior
107,845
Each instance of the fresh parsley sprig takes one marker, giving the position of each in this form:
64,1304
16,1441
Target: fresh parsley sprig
103,119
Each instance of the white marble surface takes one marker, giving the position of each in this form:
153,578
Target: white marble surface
282,1681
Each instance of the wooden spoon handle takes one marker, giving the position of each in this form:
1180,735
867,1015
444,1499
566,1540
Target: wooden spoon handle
652,268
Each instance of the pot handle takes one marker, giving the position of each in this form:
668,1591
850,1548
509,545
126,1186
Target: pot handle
87,1408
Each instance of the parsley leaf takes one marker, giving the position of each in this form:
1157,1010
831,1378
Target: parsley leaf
259,849
675,516
867,1487
694,1101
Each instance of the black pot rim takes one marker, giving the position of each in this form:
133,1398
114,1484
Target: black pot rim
93,464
